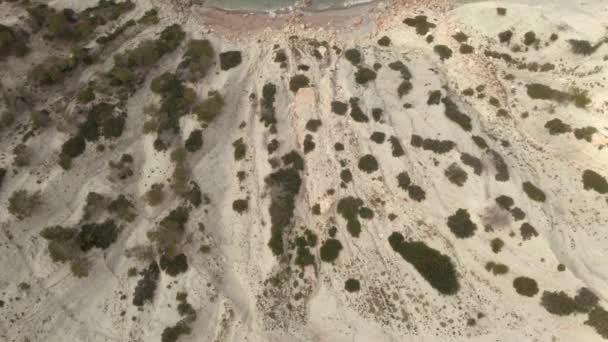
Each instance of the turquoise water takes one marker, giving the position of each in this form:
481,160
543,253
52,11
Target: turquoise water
277,4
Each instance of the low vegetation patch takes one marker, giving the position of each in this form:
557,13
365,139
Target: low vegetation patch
472,162
497,268
338,107
349,207
585,133
455,174
368,163
397,149
436,146
525,286
197,60
330,250
416,193
297,82
420,23
146,286
557,126
434,267
230,59
583,47
403,180
267,104
594,181
364,75
461,225
453,113
353,56
352,285
384,41
527,231
533,192
22,203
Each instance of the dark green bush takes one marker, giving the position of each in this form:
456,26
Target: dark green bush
240,149
197,60
497,244
443,51
230,59
455,174
378,137
338,107
12,42
397,149
150,17
404,88
585,133
420,23
240,205
356,112
518,214
558,303
454,114
364,75
352,285
348,207
174,265
194,141
472,162
539,91
416,193
527,231
434,267
284,186
330,250
434,98
530,38
502,170
403,180
557,126
353,56
497,268
505,36
384,41
585,300
368,163
297,82
308,144
594,181
598,319
313,125
172,334
210,108
460,37
100,235
402,68
146,286
533,192
461,225
501,11
293,158
583,47
58,233
480,142
525,286
346,176
267,104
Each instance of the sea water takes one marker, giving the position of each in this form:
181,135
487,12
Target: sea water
267,5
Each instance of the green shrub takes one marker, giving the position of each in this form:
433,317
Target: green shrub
461,225
455,174
480,142
453,113
404,88
533,192
155,195
402,68
378,137
330,250
501,11
585,133
583,47
146,286
338,107
580,97
466,49
502,170
22,204
384,41
197,60
557,126
172,334
525,286
585,300
497,244
174,265
364,75
472,162
527,231
397,149
416,193
230,59
460,37
539,91
308,144
313,125
558,303
443,51
294,159
352,285
297,82
356,112
353,56
267,104
434,98
403,180
594,181
194,141
240,149
58,233
80,267
518,214
368,163
420,23
346,176
150,17
530,38
240,205
113,127
87,94
505,36
598,319
349,207
210,108
122,208
497,268
284,186
434,267
100,235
